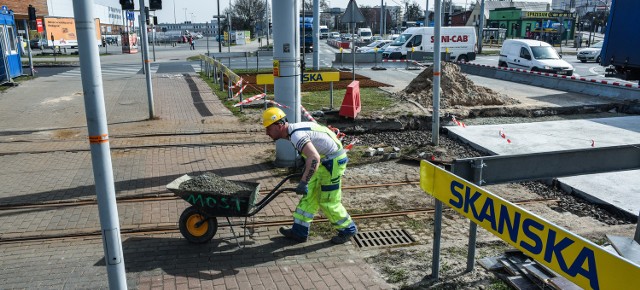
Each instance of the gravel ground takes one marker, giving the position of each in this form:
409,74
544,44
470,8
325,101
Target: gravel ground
409,267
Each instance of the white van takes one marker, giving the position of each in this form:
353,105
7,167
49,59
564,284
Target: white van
460,41
532,55
324,31
365,34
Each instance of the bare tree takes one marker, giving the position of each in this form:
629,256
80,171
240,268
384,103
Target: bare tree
245,14
414,12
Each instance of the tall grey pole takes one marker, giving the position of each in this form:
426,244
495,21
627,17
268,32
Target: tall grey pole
219,30
437,223
268,29
229,35
316,35
286,51
381,17
353,45
99,143
481,26
26,27
426,14
147,66
435,130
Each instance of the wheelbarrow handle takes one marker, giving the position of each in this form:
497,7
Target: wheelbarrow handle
267,199
273,194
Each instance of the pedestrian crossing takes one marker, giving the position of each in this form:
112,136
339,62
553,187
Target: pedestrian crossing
111,70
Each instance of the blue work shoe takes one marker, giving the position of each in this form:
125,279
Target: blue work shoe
342,238
288,233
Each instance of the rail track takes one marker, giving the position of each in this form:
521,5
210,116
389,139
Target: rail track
81,145
171,229
157,197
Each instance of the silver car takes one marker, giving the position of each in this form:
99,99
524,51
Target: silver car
591,53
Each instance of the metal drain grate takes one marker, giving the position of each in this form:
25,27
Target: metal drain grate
383,238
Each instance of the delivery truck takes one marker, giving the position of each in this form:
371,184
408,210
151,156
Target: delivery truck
460,41
621,47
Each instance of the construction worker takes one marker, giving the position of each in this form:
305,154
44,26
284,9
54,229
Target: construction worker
320,183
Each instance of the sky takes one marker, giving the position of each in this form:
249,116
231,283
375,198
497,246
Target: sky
203,10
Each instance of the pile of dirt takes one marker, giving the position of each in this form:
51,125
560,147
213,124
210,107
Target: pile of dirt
212,183
455,90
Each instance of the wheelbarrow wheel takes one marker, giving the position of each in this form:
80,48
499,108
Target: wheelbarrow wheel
196,227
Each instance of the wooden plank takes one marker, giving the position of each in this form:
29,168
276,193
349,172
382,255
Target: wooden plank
491,263
538,272
521,283
561,283
509,267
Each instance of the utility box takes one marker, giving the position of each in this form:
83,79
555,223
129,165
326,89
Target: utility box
10,62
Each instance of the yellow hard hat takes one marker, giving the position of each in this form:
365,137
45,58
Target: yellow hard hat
271,116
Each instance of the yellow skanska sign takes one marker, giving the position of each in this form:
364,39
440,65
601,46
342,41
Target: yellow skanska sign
313,77
581,261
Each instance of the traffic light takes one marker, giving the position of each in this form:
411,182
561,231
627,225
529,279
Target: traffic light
127,5
155,4
32,13
155,20
270,26
146,14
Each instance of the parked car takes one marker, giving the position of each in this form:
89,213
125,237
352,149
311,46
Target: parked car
370,48
532,55
38,43
590,53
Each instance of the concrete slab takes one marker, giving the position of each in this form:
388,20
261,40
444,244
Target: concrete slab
615,188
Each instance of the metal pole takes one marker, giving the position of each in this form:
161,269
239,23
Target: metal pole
286,50
330,96
316,35
219,30
435,130
99,143
26,26
426,14
267,12
147,68
229,36
636,236
381,18
153,42
481,27
437,225
473,227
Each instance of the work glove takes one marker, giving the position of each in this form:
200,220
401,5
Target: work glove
302,188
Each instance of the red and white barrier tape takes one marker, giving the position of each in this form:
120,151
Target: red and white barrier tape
240,91
604,82
249,100
277,104
307,115
459,123
504,136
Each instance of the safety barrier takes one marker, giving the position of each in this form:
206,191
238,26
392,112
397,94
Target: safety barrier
572,84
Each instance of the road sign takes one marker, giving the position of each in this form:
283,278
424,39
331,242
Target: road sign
577,259
276,71
316,77
352,14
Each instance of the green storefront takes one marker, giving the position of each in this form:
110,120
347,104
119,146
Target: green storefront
541,25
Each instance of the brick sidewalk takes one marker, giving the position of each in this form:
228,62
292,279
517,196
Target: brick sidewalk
58,167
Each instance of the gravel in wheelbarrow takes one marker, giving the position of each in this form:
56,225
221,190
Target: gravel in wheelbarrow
215,195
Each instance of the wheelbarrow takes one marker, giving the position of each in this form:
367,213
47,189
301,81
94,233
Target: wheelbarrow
198,223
